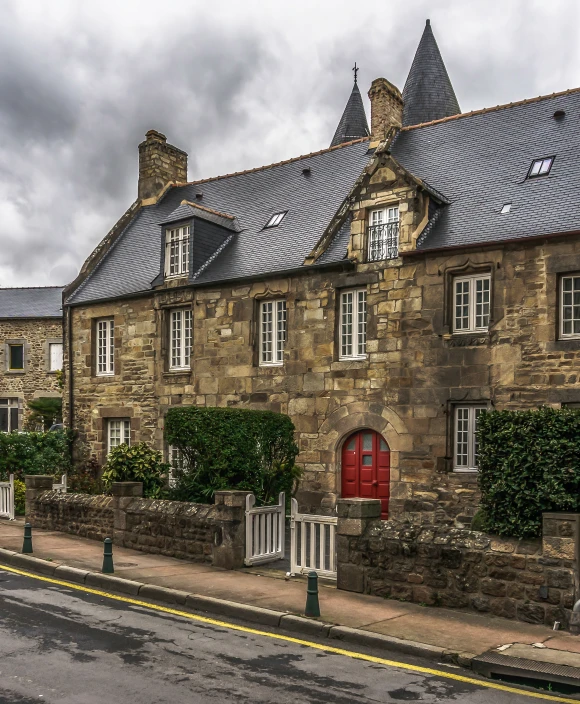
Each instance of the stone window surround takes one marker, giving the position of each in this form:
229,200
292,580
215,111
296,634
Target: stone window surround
274,332
467,269
20,403
100,427
469,399
560,337
26,350
355,291
382,203
163,323
52,341
556,267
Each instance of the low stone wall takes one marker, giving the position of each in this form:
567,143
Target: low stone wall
88,516
202,533
535,581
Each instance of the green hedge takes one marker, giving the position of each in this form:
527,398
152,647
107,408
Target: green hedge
34,453
137,463
529,462
231,448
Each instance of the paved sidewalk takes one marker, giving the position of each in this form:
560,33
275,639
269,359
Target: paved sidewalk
464,633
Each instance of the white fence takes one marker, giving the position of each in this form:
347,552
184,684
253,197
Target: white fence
313,543
62,487
7,499
264,531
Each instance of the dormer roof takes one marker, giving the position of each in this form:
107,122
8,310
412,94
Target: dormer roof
187,210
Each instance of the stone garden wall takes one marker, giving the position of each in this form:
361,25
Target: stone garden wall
535,581
203,533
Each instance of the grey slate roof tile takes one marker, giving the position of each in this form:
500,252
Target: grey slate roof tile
43,302
480,161
353,123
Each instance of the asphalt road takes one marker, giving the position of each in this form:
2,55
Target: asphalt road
61,645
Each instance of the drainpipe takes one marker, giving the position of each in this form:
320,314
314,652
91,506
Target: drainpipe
70,376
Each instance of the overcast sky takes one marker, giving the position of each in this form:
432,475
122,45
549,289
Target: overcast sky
235,84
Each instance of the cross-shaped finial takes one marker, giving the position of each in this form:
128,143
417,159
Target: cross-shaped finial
355,70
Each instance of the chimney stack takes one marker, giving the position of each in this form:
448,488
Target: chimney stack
386,109
159,164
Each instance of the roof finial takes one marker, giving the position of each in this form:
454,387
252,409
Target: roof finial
355,70
428,23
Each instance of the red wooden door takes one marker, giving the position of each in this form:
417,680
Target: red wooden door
366,468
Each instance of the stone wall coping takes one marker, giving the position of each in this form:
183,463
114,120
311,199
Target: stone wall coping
127,489
38,481
562,515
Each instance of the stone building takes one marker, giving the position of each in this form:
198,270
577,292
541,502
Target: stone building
381,292
30,350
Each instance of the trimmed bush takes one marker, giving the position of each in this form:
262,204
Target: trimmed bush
529,463
19,497
34,453
232,448
136,463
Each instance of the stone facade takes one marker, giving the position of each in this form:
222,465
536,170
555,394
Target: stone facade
529,580
35,380
415,371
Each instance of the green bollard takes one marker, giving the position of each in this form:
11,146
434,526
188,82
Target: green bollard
108,557
27,544
312,606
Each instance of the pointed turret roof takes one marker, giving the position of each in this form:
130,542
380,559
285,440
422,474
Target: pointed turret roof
428,93
353,123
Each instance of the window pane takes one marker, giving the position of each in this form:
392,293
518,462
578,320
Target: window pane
384,447
570,305
280,330
176,338
13,419
346,323
3,419
482,303
16,360
462,436
187,337
351,444
55,355
362,323
367,441
536,168
462,305
545,167
477,412
367,460
266,331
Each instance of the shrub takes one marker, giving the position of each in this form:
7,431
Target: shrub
44,413
85,475
529,462
137,463
34,453
19,497
232,448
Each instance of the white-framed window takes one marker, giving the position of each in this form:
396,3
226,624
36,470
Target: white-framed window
181,322
175,459
8,415
570,307
353,324
177,251
465,437
275,220
541,167
55,356
118,432
105,347
383,239
471,303
272,332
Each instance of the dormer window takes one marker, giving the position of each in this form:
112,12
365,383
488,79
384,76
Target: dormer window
541,167
383,239
275,220
177,251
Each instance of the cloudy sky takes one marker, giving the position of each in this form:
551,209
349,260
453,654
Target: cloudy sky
235,84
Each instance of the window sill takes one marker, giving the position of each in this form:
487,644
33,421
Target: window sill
269,365
349,363
15,371
467,339
465,470
178,370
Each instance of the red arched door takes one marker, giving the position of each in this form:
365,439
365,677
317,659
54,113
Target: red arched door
366,468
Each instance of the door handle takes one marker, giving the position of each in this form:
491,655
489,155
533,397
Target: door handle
375,483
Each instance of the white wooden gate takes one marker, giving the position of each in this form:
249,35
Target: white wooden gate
62,487
7,499
264,531
313,543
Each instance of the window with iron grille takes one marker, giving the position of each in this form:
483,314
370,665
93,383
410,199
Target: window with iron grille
181,330
8,415
353,324
383,234
272,332
118,432
177,251
105,347
471,303
465,437
570,307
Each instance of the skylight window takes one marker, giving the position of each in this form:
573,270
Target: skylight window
541,167
276,219
506,208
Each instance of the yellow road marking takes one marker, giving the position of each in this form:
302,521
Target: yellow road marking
297,641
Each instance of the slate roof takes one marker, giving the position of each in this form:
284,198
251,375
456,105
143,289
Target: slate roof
480,161
133,262
45,302
353,123
428,93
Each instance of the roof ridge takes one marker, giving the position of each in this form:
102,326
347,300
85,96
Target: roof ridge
278,163
27,288
483,111
207,210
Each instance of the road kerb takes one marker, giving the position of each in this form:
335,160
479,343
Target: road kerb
71,574
35,564
233,609
165,594
115,584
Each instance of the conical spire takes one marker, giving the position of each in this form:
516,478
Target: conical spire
353,123
428,93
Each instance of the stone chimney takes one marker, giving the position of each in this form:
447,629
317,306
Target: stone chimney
386,109
159,164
